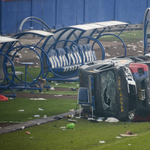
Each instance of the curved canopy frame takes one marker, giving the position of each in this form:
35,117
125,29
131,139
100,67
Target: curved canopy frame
146,30
36,20
75,32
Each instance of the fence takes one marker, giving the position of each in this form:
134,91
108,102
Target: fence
61,13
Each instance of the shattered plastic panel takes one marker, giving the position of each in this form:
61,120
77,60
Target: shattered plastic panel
108,92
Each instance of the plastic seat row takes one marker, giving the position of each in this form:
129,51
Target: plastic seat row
70,58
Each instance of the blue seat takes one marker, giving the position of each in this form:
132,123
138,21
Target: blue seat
64,62
90,53
83,53
77,55
83,99
53,59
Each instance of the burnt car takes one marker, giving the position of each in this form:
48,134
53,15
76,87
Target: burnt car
118,87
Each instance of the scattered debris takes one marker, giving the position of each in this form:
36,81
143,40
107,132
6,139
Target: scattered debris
58,117
37,57
36,116
21,110
102,142
3,98
63,127
91,119
45,116
71,110
39,99
52,88
71,120
70,126
107,47
118,137
22,127
106,54
128,133
128,45
42,82
11,98
27,132
58,95
69,116
111,119
73,89
40,109
100,119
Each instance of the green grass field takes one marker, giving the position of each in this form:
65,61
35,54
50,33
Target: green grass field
85,136
10,111
127,36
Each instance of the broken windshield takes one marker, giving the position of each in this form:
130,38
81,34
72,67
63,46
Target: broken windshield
108,92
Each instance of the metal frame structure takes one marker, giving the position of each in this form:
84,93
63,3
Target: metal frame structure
5,82
80,35
42,35
77,36
13,44
146,31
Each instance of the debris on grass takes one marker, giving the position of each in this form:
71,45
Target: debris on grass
40,109
39,99
73,89
58,95
71,126
22,127
71,120
100,119
118,137
21,110
128,133
52,88
3,98
45,116
63,127
36,116
71,110
11,98
111,119
27,132
102,142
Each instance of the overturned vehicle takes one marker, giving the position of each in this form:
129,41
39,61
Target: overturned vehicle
116,87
